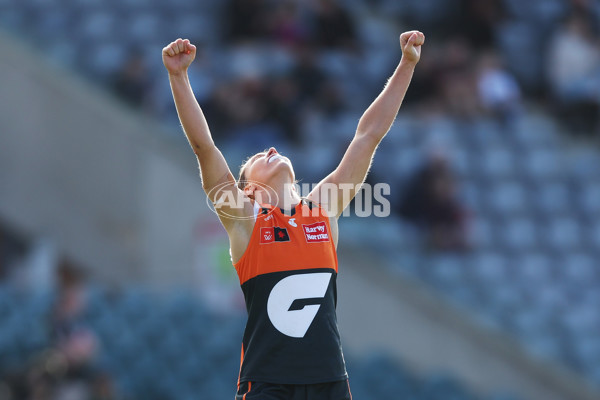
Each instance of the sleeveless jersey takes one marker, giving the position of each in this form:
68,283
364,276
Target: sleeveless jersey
288,276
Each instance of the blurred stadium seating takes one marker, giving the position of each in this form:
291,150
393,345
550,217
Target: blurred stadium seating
171,346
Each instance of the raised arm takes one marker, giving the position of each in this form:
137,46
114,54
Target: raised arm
372,127
177,57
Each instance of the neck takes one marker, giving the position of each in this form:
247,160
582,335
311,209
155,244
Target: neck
281,194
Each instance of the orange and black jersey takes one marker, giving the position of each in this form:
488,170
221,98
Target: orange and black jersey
288,276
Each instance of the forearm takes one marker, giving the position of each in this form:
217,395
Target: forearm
213,167
379,117
190,114
177,57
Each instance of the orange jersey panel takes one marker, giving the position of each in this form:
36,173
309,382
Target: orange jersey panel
281,242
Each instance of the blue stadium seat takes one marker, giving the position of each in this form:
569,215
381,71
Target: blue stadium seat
518,234
53,22
104,58
447,272
502,396
541,163
535,131
530,322
7,301
14,18
97,25
498,163
593,235
440,386
582,321
518,40
552,197
563,234
533,268
504,300
144,26
87,5
519,9
508,198
490,268
587,199
587,350
548,12
584,165
579,270
473,197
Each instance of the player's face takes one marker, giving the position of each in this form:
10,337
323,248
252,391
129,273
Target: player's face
266,165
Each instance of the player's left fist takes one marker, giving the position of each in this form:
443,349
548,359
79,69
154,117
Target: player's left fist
410,43
178,55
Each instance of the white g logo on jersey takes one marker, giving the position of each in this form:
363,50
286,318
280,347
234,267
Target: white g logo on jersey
295,323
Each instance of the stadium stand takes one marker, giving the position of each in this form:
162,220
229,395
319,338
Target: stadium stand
171,346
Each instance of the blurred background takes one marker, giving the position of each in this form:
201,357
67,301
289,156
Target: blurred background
483,284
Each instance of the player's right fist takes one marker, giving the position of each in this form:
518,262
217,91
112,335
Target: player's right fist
411,43
178,55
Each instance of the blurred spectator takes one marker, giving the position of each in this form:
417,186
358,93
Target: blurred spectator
430,202
12,249
73,340
202,75
132,82
66,369
103,388
455,79
423,87
587,9
574,74
257,107
334,27
287,27
307,74
246,20
284,107
246,103
330,102
498,90
39,382
240,110
478,20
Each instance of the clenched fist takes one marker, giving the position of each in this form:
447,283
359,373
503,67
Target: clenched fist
178,55
411,43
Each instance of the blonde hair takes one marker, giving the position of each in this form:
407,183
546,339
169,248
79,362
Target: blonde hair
241,181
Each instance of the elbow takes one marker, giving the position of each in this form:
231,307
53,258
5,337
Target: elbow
372,134
199,149
372,129
368,139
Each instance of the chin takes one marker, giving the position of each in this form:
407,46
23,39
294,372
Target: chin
280,167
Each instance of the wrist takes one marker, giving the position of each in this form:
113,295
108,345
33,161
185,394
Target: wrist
178,74
408,63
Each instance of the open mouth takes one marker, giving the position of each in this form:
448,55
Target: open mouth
274,157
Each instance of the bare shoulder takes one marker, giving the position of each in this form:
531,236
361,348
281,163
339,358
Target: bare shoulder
333,223
331,216
239,227
233,207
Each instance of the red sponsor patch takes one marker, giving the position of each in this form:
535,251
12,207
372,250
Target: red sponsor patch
266,235
316,232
